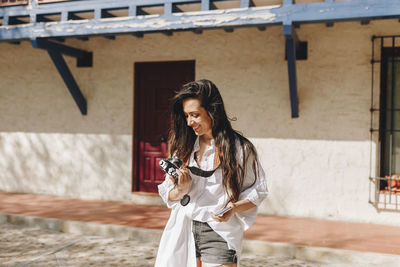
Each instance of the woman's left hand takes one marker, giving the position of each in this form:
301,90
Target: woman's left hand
226,216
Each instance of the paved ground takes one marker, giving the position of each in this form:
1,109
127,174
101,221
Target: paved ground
28,246
363,237
328,242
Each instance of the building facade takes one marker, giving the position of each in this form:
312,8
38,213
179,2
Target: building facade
321,162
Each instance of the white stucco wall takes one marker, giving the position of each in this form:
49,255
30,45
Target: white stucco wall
317,165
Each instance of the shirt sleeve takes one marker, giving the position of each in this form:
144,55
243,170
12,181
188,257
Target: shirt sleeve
163,190
255,189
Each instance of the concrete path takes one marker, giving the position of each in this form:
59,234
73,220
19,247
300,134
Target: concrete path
32,246
325,242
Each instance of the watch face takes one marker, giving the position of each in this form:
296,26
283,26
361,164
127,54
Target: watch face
185,200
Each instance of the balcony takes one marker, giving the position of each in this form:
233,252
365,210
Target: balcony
31,19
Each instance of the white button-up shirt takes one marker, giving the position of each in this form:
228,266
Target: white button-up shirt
207,195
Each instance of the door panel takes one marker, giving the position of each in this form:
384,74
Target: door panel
155,85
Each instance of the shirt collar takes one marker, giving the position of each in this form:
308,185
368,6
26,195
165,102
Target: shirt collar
209,151
196,146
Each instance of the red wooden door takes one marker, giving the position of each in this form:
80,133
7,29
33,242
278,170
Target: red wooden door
155,84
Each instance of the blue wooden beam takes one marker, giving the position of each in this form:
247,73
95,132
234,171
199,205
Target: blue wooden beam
84,58
153,23
63,49
205,5
55,52
245,3
69,80
320,12
330,9
168,8
290,46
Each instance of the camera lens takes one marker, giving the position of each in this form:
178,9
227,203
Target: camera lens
176,161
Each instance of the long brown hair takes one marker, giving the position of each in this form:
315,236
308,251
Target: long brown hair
182,137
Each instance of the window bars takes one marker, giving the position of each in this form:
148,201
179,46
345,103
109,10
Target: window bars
384,187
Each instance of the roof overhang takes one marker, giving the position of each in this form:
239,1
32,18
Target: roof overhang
321,12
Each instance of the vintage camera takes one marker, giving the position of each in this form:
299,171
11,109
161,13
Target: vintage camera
170,166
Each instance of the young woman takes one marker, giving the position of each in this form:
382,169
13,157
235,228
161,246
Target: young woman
202,137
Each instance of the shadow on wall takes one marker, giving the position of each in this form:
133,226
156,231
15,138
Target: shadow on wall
333,89
38,101
66,164
334,104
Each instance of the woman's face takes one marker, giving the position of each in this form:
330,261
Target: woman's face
197,117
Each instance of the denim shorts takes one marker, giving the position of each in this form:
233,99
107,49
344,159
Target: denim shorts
210,246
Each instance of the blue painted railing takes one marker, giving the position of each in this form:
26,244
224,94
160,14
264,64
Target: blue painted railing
31,21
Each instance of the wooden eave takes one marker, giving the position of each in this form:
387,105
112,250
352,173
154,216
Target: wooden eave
173,19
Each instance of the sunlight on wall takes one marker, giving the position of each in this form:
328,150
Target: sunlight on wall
318,178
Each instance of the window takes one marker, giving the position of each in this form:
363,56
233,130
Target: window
389,128
387,136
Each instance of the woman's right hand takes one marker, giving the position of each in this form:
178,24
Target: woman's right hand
184,181
182,187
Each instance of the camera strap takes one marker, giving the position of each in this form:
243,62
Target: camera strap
203,173
200,172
